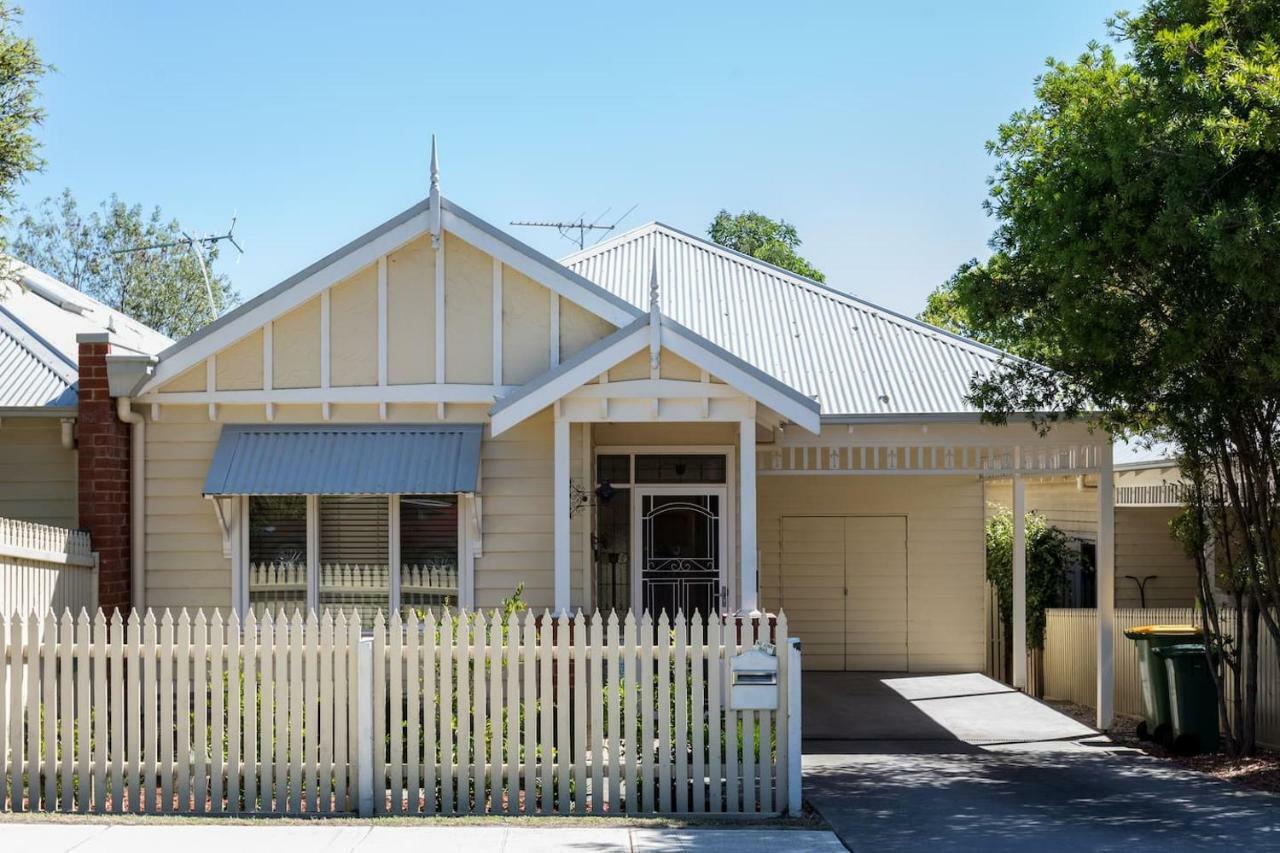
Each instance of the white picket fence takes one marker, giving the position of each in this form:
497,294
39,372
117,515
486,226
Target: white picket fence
456,714
43,567
1070,661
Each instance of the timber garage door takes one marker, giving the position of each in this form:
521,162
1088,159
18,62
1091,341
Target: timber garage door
844,589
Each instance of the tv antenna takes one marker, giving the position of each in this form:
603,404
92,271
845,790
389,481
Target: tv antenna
198,246
581,226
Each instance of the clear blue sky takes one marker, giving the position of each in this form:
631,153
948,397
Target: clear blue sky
862,123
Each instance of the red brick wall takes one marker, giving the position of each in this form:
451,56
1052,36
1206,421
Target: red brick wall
103,450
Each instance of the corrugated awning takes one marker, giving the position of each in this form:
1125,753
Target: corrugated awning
348,459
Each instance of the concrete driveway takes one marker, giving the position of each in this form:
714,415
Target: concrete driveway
962,762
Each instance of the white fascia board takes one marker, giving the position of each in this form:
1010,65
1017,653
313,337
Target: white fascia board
570,376
286,297
544,271
689,347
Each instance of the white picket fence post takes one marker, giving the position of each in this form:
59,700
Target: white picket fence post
364,727
795,800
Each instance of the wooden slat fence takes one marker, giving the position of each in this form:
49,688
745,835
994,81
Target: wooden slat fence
45,568
1071,644
445,714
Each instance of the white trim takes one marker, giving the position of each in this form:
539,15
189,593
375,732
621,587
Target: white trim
588,520
649,388
211,384
553,345
324,348
440,309
393,553
313,552
570,379
288,299
1106,586
497,322
748,559
542,273
382,320
730,454
560,505
429,393
268,364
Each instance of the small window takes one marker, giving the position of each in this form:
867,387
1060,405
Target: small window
277,554
355,554
613,469
680,468
428,552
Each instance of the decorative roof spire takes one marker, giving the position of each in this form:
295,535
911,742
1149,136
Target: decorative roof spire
435,195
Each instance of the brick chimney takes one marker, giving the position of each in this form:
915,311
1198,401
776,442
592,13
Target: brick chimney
103,466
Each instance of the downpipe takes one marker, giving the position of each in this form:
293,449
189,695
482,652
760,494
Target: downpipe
137,501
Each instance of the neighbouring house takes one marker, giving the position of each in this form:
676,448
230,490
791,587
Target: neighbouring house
1152,569
435,413
53,391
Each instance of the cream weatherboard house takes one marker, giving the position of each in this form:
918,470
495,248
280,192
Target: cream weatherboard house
436,414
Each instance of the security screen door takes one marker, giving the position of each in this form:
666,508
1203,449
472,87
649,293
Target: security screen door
679,548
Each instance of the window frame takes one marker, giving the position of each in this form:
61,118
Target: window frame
240,553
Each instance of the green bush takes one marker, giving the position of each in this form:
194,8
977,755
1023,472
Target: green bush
1049,556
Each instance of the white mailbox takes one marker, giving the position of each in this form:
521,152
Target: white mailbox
753,682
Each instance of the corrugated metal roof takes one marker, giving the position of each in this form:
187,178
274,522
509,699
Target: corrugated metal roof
40,318
855,358
347,459
32,374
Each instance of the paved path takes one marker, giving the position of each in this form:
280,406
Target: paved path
333,838
951,763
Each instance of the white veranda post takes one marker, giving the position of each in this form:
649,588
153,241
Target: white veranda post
1106,574
749,595
561,502
1019,582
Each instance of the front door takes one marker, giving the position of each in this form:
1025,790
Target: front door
679,547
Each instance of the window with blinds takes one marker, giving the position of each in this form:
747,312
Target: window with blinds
277,553
428,552
352,568
355,554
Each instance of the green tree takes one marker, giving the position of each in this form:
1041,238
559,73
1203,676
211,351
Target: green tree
1049,555
162,287
20,70
947,309
1136,252
772,241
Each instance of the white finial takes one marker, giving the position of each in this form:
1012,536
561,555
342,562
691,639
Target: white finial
435,195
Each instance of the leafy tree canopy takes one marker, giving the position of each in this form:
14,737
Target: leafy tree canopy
20,70
772,241
163,287
1136,246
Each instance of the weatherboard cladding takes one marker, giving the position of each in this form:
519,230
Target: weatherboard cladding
376,459
855,358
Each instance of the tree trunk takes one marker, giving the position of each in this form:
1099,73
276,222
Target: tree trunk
1249,653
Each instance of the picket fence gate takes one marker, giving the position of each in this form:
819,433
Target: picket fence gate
457,713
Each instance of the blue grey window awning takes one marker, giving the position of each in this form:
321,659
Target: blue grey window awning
346,459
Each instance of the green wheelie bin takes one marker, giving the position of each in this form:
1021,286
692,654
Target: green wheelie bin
1193,698
1155,724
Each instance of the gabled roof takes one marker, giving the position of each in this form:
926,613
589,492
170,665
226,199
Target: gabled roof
611,350
366,249
40,318
857,359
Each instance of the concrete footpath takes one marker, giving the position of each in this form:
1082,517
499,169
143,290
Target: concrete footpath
330,838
